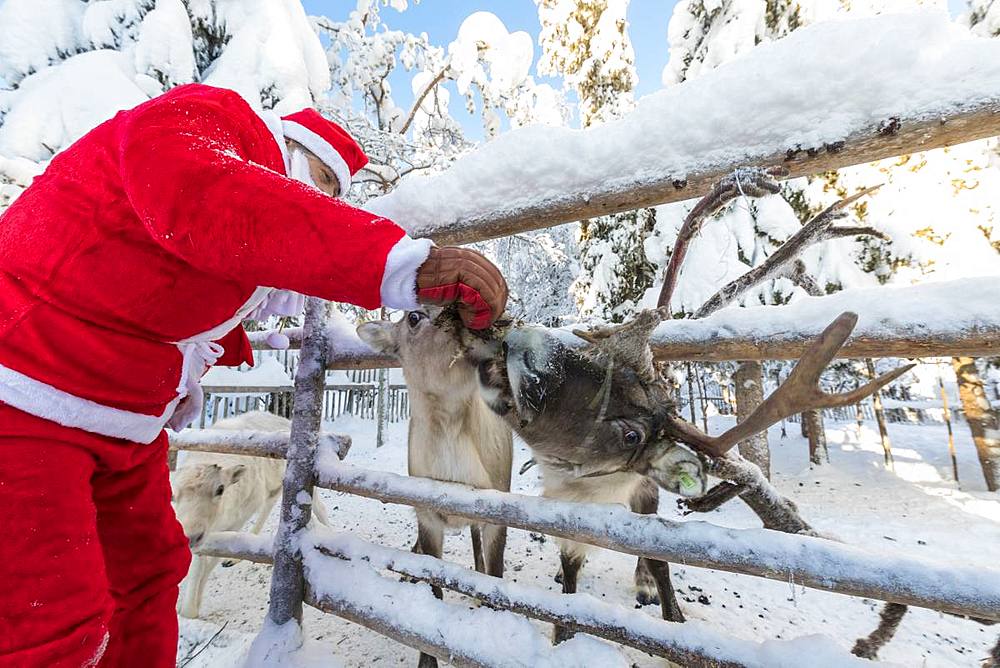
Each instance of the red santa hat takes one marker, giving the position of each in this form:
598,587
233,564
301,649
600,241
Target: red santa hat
327,141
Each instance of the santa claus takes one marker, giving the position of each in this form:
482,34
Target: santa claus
125,271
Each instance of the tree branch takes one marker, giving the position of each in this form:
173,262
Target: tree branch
420,100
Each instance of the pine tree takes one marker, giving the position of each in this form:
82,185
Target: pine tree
586,42
67,65
984,17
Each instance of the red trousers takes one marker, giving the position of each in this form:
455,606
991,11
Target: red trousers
90,550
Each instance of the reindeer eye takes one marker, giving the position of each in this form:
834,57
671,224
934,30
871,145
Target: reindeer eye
413,318
633,437
219,490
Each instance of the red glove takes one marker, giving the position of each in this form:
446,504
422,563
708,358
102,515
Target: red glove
453,275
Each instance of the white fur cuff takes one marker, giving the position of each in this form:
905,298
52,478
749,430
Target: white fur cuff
399,281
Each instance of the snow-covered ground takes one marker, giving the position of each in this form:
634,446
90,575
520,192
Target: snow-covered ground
917,510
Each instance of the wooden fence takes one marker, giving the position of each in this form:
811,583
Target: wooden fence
312,567
358,399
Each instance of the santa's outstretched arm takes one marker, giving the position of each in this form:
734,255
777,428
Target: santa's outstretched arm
189,171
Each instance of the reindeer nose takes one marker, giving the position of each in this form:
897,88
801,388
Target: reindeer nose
195,539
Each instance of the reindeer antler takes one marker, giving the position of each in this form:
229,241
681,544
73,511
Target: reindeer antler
800,392
749,181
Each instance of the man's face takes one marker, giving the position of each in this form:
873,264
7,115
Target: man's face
322,176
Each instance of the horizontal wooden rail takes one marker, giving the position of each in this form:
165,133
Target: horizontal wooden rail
811,562
238,545
893,322
659,185
692,644
375,613
273,445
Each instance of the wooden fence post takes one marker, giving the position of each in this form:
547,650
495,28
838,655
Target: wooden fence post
880,417
287,581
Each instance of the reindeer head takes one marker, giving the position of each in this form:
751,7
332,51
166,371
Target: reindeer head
590,411
428,344
198,493
603,408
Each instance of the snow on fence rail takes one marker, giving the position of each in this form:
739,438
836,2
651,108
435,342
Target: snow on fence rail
803,101
251,443
944,319
812,562
694,643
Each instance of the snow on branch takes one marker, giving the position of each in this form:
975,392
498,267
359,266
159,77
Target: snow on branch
691,644
811,562
804,102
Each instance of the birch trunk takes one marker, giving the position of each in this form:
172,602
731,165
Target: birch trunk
982,419
816,433
883,431
749,381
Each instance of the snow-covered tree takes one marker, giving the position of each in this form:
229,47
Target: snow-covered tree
984,17
67,65
934,207
586,42
486,64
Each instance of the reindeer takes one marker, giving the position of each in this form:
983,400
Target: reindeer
453,435
218,492
597,405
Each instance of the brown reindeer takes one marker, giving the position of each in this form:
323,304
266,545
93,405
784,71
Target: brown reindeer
596,404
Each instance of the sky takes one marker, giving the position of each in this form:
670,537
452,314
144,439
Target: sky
440,19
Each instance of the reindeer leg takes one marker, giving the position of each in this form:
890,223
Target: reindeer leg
670,609
430,540
477,547
201,568
494,543
889,619
571,560
646,592
651,575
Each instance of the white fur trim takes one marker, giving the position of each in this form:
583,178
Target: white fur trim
44,401
274,124
322,150
399,280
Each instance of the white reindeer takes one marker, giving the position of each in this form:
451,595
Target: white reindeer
218,492
453,435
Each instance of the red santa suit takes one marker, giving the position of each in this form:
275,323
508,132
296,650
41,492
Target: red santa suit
121,267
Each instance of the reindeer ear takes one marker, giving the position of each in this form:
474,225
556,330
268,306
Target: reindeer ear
232,474
378,336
